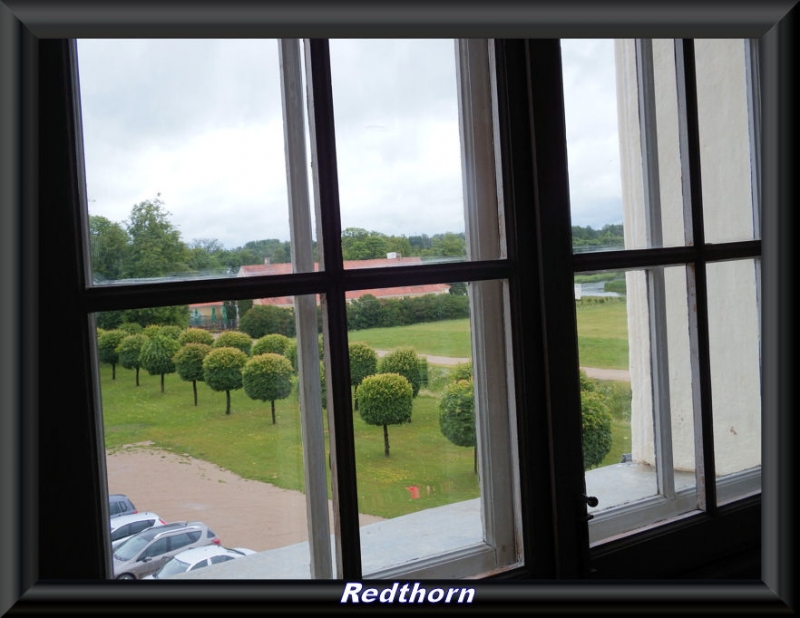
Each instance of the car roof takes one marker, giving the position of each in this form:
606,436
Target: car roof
118,497
199,553
165,529
126,518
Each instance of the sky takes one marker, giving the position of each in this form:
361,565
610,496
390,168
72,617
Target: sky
198,125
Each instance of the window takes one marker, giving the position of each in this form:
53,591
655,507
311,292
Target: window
540,275
676,191
461,519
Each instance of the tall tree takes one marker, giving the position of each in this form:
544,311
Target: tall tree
108,243
156,248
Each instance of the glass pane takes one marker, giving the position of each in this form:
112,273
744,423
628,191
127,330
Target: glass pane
398,151
637,397
202,423
184,154
726,154
593,144
734,337
414,423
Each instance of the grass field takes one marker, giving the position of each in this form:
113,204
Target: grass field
248,444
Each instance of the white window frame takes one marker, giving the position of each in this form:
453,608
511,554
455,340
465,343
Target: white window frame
669,503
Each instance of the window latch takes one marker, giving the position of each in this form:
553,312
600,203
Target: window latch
591,501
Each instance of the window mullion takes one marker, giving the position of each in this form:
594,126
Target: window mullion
656,288
312,430
696,274
334,314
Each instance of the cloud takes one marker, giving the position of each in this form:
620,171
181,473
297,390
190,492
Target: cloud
200,123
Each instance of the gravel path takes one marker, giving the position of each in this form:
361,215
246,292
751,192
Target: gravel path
242,512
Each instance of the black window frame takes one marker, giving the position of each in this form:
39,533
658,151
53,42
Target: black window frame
41,231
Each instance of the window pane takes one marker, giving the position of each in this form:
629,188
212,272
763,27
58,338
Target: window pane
416,433
184,152
593,144
734,335
637,398
196,428
398,149
726,155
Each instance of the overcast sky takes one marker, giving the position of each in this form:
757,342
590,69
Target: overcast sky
197,124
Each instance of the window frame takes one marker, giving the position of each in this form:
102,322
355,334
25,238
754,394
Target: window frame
34,71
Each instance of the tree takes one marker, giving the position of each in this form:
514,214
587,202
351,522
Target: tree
262,320
195,335
268,377
234,339
177,315
457,416
156,248
189,363
107,344
403,361
222,371
128,350
108,244
596,422
386,399
461,371
275,343
363,363
156,355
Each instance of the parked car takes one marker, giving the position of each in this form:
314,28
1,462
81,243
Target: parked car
120,504
147,551
125,526
198,558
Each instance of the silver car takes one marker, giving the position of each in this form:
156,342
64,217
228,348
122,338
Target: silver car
147,551
198,558
125,526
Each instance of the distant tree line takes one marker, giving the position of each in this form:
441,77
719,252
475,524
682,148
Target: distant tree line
610,236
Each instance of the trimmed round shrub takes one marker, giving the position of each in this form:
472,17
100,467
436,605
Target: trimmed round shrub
273,343
385,399
222,371
596,428
403,361
267,377
363,362
195,335
457,413
234,339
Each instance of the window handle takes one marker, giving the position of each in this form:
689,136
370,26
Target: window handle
591,501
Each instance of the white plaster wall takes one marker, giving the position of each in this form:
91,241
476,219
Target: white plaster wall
734,325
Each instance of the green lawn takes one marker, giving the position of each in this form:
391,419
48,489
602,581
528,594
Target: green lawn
248,444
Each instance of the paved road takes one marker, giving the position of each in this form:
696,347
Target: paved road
592,372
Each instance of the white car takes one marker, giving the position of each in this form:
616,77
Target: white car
125,526
198,558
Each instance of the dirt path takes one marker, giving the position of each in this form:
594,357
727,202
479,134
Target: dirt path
592,372
243,513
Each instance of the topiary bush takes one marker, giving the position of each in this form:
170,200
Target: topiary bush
267,377
457,416
222,371
234,339
274,343
405,362
385,399
596,424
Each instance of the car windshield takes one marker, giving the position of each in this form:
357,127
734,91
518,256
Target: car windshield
172,567
130,548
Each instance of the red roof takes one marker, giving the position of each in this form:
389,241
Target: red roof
255,270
